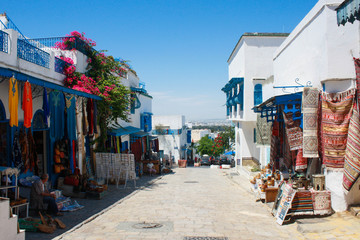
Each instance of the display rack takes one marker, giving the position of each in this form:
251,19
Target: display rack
8,173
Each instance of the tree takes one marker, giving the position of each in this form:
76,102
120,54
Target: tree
228,137
205,145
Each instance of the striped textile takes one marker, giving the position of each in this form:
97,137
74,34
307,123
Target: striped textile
310,105
336,111
301,162
302,203
352,152
293,132
357,70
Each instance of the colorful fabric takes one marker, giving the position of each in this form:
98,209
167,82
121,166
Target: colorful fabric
24,146
352,152
293,132
45,106
310,104
57,107
263,131
274,150
336,111
27,106
321,202
33,158
71,117
301,161
13,102
302,203
357,70
16,153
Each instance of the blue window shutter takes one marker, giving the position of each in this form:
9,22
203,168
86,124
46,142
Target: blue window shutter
257,94
254,135
142,122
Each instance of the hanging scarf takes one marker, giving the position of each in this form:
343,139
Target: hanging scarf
13,102
45,107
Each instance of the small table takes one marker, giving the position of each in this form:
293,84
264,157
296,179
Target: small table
16,207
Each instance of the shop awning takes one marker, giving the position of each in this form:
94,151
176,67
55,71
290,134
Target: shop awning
5,72
140,134
348,11
269,108
123,131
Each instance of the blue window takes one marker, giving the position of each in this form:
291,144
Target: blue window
257,94
145,122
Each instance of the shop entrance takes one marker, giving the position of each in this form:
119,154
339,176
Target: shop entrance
41,150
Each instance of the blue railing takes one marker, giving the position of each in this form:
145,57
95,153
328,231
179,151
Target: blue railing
63,43
60,65
32,54
11,25
4,41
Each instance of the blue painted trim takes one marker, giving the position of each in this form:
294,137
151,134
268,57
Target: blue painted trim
24,77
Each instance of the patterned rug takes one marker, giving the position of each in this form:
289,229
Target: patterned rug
293,132
352,152
301,161
274,151
302,203
321,202
336,110
263,131
310,104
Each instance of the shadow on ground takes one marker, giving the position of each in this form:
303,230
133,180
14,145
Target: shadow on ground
92,207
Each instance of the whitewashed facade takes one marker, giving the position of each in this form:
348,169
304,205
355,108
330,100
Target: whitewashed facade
250,65
172,134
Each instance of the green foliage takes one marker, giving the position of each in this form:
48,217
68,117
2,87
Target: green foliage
228,137
205,145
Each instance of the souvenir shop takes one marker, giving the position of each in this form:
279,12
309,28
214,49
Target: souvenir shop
133,140
44,128
314,160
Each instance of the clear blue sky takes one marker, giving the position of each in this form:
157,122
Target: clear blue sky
179,48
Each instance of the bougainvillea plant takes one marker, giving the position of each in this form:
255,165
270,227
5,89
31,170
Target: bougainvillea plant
101,78
218,146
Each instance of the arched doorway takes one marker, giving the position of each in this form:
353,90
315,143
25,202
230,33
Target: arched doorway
40,133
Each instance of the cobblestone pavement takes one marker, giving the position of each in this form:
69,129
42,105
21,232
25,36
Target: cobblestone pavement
203,203
92,207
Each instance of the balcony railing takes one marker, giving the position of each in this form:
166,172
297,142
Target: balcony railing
4,41
32,54
60,65
62,43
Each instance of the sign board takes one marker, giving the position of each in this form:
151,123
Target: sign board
288,195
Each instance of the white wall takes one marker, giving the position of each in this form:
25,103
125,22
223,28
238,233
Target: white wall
318,50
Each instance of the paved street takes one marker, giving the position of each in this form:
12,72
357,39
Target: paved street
203,202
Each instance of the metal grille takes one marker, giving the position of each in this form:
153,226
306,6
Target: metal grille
32,54
63,43
60,65
4,41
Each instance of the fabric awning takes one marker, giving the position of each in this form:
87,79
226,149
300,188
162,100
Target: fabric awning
140,134
348,11
5,72
123,131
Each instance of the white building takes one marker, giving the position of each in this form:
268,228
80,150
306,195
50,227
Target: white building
250,81
174,137
320,53
140,112
197,134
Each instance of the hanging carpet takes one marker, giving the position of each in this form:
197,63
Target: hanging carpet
336,111
310,103
293,131
352,152
263,131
